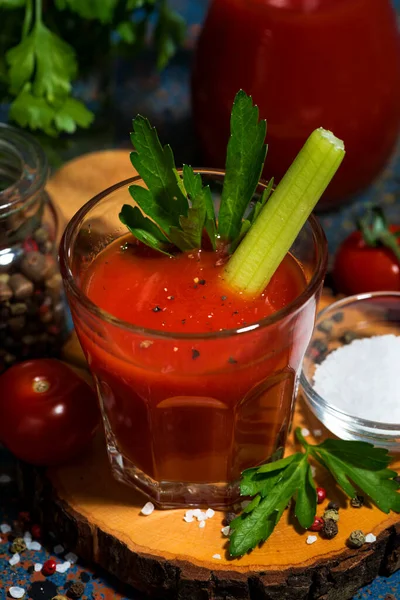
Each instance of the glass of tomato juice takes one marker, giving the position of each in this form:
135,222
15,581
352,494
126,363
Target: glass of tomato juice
195,382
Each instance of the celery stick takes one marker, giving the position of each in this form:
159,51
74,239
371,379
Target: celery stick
263,248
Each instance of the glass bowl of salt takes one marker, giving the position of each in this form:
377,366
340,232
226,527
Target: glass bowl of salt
350,377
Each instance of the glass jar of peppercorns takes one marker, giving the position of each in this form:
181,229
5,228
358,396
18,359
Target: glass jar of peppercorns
33,319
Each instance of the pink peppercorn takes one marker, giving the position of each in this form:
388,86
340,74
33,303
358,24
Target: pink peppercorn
321,494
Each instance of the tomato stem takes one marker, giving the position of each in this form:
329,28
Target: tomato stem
375,231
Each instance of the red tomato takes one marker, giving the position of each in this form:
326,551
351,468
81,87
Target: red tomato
360,268
48,414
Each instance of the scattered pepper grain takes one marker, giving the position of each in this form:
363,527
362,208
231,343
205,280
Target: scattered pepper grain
331,514
356,539
76,590
18,546
333,506
357,501
330,529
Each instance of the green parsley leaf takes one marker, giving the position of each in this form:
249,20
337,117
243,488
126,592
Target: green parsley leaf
164,201
169,34
36,112
100,10
46,56
244,163
272,486
142,228
256,526
10,4
365,466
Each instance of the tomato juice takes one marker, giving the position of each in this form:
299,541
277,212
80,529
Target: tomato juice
195,382
198,412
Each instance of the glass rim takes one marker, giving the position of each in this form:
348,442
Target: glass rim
33,177
318,400
288,310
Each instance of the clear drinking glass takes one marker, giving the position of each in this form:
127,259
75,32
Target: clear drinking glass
182,430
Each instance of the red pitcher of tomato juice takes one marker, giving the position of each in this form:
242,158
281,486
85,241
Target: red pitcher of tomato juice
306,63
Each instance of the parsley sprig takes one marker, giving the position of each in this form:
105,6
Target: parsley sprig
179,208
42,52
354,465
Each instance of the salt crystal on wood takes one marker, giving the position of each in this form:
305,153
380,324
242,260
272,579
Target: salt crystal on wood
14,560
16,592
37,567
311,539
361,378
202,524
210,513
217,556
4,528
147,509
226,530
370,538
305,432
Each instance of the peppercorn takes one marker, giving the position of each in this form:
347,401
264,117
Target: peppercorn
330,529
333,506
331,514
49,567
76,590
357,501
356,539
325,326
321,494
36,532
18,546
317,525
229,517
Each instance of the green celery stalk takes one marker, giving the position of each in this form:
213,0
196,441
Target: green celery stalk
263,248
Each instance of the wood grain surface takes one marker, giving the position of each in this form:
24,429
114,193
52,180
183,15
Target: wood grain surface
162,554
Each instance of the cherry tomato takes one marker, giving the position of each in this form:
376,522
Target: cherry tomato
48,414
360,268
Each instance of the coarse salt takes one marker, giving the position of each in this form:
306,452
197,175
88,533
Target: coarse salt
226,530
305,432
58,549
317,432
361,378
63,567
33,546
147,509
37,567
16,592
27,537
202,524
4,528
210,513
217,556
370,538
71,557
14,560
5,478
311,539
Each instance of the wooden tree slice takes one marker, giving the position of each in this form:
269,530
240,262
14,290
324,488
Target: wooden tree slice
162,554
166,557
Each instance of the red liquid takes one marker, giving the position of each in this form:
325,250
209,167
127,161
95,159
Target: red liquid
307,63
192,410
